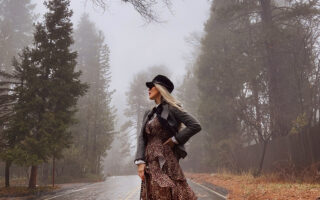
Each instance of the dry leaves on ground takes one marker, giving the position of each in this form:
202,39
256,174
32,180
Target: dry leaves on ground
246,187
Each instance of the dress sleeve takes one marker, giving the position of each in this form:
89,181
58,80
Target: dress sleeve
174,140
137,162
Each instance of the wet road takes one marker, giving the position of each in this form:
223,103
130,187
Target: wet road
122,188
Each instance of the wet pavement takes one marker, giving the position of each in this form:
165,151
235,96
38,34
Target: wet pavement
122,188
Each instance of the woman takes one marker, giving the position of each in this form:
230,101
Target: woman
161,145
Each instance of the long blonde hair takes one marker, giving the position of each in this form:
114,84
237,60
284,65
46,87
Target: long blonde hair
168,97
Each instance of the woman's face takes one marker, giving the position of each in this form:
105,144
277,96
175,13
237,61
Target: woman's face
153,93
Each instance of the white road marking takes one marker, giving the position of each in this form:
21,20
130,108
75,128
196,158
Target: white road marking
217,193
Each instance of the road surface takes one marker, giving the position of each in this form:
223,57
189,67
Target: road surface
122,188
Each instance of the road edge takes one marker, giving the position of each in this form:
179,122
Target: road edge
217,190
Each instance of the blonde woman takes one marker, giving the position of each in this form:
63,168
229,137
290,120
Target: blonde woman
160,145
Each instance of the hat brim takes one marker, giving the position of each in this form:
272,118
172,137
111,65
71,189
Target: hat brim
149,84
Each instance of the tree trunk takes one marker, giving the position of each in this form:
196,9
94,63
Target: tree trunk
319,111
46,168
7,173
33,176
53,168
272,68
255,92
258,172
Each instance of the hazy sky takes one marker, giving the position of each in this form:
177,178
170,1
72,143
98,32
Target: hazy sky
135,45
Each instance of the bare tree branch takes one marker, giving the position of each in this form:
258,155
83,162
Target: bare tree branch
144,7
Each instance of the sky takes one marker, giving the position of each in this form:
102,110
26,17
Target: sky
136,45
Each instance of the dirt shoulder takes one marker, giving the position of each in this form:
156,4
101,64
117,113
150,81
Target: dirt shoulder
23,193
246,187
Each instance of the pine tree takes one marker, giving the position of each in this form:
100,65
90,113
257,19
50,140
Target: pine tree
9,99
95,115
49,91
16,26
16,18
219,81
255,72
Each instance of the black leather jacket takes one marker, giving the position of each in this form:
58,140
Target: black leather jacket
173,116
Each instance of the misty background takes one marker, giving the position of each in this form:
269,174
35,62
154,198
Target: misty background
248,70
136,44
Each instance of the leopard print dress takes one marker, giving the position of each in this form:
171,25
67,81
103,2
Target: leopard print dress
164,177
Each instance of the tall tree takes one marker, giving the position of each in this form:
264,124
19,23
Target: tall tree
16,26
255,71
95,131
49,90
16,18
188,93
8,100
220,82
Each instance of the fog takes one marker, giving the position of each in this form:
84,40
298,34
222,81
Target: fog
136,44
248,71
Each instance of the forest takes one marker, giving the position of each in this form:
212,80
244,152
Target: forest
252,80
55,96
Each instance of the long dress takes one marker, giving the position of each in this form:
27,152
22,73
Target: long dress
164,177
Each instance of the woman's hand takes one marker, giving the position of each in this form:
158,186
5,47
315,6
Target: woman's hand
141,170
169,142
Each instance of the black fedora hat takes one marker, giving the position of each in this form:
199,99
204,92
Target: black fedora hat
162,80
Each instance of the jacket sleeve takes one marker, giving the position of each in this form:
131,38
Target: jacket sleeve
140,143
192,125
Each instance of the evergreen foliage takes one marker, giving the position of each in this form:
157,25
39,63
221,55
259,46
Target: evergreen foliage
16,27
94,133
48,90
16,17
257,74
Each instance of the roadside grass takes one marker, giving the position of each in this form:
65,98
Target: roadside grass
19,186
20,191
23,181
15,182
268,186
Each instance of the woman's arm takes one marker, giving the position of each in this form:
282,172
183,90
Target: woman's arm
192,125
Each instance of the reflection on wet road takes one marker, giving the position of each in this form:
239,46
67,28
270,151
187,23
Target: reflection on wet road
121,188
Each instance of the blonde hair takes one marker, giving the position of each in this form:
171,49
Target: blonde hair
165,94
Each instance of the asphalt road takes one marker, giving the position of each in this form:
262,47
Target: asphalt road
121,188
